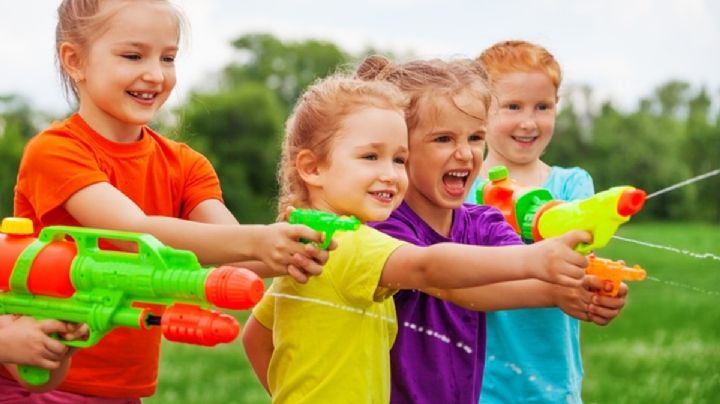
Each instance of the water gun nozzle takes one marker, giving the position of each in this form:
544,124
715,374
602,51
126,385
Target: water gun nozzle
631,201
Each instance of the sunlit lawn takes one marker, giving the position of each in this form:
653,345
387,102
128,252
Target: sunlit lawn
665,348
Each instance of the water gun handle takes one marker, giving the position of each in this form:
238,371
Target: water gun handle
32,375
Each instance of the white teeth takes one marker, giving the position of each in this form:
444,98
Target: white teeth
524,138
458,174
384,195
144,96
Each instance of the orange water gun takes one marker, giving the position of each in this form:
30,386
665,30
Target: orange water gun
613,273
50,277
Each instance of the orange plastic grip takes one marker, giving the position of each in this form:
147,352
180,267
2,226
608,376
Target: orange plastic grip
192,325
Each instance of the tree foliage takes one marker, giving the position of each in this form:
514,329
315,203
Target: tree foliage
673,134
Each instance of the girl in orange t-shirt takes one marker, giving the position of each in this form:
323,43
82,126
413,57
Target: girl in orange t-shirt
103,167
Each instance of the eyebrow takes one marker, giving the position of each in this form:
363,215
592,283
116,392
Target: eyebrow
142,45
379,145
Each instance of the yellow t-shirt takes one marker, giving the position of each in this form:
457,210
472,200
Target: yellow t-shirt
333,335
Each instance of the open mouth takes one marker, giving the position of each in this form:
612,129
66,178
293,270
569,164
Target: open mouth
455,182
383,196
143,96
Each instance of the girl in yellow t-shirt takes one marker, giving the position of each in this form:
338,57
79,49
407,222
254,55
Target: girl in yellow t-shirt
345,149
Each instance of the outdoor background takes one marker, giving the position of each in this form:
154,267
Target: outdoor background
639,106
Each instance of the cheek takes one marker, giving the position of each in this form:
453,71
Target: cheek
170,79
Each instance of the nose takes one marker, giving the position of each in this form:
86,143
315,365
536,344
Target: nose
528,122
390,173
153,72
463,152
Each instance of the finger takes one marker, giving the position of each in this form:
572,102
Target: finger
578,259
575,237
623,291
300,231
332,246
55,349
599,320
48,364
602,312
53,326
569,281
308,266
614,303
297,274
288,211
593,283
317,254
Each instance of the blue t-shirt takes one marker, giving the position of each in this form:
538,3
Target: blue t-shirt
533,355
439,352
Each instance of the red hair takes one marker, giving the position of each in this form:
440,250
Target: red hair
520,56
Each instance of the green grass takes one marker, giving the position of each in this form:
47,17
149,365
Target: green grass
665,346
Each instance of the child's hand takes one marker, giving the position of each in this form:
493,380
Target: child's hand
283,252
554,260
27,341
75,331
603,309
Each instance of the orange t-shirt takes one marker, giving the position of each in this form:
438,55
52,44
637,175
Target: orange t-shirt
161,176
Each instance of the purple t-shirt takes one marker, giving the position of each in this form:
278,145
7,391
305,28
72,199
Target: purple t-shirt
439,353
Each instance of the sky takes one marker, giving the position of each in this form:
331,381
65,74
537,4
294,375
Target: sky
623,49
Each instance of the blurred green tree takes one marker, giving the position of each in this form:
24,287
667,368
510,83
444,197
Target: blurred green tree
16,126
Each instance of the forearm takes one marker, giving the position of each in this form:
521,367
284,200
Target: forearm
451,266
528,293
210,242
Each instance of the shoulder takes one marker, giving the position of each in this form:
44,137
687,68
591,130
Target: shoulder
485,225
403,224
182,152
570,183
59,140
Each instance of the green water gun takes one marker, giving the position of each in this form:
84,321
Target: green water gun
78,281
324,222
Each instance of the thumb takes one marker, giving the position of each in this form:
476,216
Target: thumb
575,237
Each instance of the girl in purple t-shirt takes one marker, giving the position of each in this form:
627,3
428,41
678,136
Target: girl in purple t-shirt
439,353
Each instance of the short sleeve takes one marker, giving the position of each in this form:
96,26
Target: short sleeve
53,168
576,184
357,266
201,181
264,311
497,230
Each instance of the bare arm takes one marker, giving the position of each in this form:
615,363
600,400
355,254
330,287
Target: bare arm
581,302
525,293
452,266
258,344
215,237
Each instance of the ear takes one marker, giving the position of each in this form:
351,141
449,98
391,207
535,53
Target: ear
308,167
71,60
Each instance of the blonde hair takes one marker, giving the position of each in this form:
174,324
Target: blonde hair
424,80
81,21
317,117
520,56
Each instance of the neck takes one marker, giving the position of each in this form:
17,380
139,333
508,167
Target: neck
437,217
534,173
109,128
